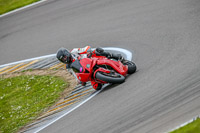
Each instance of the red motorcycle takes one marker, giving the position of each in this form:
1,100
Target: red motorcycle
101,70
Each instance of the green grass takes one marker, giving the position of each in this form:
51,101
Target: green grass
9,5
193,127
23,98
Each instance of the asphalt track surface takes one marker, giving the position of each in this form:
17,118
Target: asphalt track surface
165,38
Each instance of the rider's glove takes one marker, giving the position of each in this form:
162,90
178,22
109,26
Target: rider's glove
89,55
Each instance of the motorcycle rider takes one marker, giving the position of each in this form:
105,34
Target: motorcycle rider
68,57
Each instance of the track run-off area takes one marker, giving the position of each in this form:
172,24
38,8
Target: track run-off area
164,35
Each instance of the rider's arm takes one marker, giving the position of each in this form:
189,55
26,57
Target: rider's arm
84,50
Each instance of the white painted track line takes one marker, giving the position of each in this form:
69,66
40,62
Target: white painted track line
184,124
94,94
22,8
31,59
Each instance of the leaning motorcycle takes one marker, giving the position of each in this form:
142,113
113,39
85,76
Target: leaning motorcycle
100,70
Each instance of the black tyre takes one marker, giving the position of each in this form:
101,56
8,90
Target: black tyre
114,77
131,67
99,87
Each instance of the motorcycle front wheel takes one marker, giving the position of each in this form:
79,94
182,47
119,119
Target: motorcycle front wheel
112,77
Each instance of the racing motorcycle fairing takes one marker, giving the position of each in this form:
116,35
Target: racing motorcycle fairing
88,63
100,70
116,65
84,77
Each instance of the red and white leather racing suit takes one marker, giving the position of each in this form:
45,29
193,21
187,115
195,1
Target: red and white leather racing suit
81,52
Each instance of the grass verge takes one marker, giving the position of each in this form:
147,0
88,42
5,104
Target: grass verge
9,5
193,127
25,97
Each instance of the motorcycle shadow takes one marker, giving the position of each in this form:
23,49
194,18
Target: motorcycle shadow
108,87
112,86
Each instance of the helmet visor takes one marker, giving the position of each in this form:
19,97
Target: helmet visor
66,59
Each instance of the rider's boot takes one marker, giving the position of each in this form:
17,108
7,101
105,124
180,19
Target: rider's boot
101,52
117,57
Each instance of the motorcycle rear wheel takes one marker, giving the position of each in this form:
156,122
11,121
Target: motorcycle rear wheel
114,77
131,67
